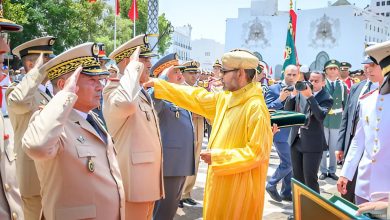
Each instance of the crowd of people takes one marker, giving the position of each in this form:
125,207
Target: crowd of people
116,137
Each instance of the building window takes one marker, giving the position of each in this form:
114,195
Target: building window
207,54
387,14
383,3
388,2
378,3
383,14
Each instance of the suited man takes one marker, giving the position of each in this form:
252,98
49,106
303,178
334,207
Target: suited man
275,99
178,141
10,200
351,116
308,142
23,99
132,121
368,154
73,153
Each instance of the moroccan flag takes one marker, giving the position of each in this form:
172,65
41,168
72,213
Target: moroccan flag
117,7
133,12
290,53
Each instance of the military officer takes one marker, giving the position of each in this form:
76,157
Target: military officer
132,121
10,200
177,135
369,152
23,99
73,153
217,69
344,75
332,122
190,71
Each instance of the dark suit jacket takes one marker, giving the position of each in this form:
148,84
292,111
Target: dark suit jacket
350,117
273,102
312,137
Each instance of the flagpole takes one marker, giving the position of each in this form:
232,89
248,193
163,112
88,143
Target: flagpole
134,8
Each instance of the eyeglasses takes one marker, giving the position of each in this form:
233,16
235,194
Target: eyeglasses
224,72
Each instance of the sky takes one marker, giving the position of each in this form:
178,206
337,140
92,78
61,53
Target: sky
207,17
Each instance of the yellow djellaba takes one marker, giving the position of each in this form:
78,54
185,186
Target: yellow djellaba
240,145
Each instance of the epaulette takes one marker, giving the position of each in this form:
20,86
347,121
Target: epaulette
367,94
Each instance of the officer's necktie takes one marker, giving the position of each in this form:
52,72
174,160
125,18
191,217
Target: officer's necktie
368,88
96,127
332,87
147,95
47,91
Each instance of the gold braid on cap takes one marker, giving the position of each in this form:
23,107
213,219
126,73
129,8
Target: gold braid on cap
71,65
128,52
163,66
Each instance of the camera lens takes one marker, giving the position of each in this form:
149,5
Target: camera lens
300,85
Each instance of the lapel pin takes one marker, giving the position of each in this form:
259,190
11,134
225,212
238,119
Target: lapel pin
81,139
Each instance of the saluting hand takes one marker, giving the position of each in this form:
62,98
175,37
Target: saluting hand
134,64
71,83
39,62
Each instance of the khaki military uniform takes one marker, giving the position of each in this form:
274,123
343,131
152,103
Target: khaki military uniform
78,171
23,99
10,201
199,133
133,123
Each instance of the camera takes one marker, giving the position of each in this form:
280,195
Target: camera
289,88
302,85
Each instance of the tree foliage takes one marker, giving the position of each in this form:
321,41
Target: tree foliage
76,21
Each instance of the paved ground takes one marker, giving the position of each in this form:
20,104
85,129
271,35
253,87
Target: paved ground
272,210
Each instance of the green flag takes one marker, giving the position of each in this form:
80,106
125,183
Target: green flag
290,53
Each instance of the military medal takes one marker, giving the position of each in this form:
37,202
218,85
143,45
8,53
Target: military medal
90,165
177,114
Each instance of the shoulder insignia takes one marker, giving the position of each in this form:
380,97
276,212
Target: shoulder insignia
367,94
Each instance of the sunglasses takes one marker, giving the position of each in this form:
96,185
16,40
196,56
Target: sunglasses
224,71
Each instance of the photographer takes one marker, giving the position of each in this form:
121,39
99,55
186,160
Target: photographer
308,142
275,99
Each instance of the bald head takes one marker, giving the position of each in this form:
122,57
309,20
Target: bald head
291,75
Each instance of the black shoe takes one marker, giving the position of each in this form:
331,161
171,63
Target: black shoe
322,176
273,193
181,205
189,201
287,198
290,217
333,176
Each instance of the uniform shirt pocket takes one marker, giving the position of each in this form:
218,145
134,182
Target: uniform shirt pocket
85,151
142,157
73,213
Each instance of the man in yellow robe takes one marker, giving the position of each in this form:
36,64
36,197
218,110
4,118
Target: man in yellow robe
240,143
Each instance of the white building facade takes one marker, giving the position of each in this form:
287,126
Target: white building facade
339,31
206,51
181,43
